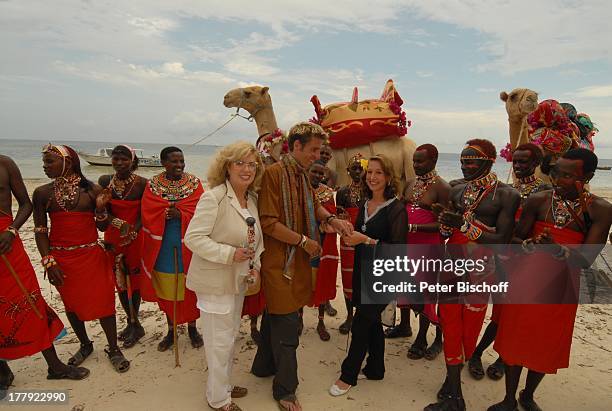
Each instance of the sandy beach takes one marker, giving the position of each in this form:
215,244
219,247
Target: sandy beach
154,383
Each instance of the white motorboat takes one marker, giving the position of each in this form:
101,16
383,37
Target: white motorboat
103,158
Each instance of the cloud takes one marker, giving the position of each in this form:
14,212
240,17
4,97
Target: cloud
424,74
595,91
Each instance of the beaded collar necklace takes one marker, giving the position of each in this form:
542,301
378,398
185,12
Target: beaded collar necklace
526,185
421,186
475,191
174,190
119,186
564,210
66,190
355,193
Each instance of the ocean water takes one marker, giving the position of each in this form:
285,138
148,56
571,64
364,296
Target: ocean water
27,154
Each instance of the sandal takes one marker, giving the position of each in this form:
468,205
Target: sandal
329,310
323,334
503,406
528,404
345,327
229,407
122,335
70,373
137,333
166,343
81,355
496,370
416,351
398,332
434,349
195,337
239,392
119,362
292,399
449,403
475,368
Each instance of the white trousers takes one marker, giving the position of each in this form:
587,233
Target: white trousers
219,334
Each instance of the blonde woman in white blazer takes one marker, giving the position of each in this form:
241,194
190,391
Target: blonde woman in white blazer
219,273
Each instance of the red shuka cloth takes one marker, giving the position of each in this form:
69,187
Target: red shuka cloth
254,304
325,287
127,210
461,323
22,332
347,257
153,217
88,288
539,336
418,215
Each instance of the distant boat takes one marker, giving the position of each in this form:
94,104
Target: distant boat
103,158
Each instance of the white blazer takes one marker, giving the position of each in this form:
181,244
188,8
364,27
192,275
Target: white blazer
217,228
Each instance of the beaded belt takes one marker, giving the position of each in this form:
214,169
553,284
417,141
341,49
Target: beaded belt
76,247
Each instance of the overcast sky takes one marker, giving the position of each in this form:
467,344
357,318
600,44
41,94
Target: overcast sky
157,70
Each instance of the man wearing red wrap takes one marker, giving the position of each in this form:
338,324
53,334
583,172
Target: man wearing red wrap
27,324
574,224
168,204
525,159
121,199
74,261
348,200
485,215
325,267
423,228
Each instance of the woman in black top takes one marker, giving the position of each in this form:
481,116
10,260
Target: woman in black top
382,219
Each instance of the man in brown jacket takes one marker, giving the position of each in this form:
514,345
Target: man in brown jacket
288,211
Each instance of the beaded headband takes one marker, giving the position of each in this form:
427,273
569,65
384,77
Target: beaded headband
130,149
482,155
57,150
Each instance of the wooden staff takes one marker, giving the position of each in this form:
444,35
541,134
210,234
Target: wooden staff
20,284
174,334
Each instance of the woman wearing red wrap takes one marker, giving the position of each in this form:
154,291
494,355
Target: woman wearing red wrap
574,225
27,324
73,259
121,224
168,204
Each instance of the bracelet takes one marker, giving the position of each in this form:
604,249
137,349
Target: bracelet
528,246
563,253
473,232
445,230
330,217
12,230
303,241
102,216
412,228
41,230
48,261
117,223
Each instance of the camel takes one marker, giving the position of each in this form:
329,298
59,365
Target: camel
519,103
257,102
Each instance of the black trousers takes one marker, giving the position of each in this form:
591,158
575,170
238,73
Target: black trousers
276,355
367,337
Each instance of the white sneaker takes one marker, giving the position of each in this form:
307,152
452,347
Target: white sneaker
336,391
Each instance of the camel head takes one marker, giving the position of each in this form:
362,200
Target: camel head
520,102
251,99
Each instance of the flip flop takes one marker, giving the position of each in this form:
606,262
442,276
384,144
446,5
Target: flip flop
81,355
496,370
475,368
291,398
